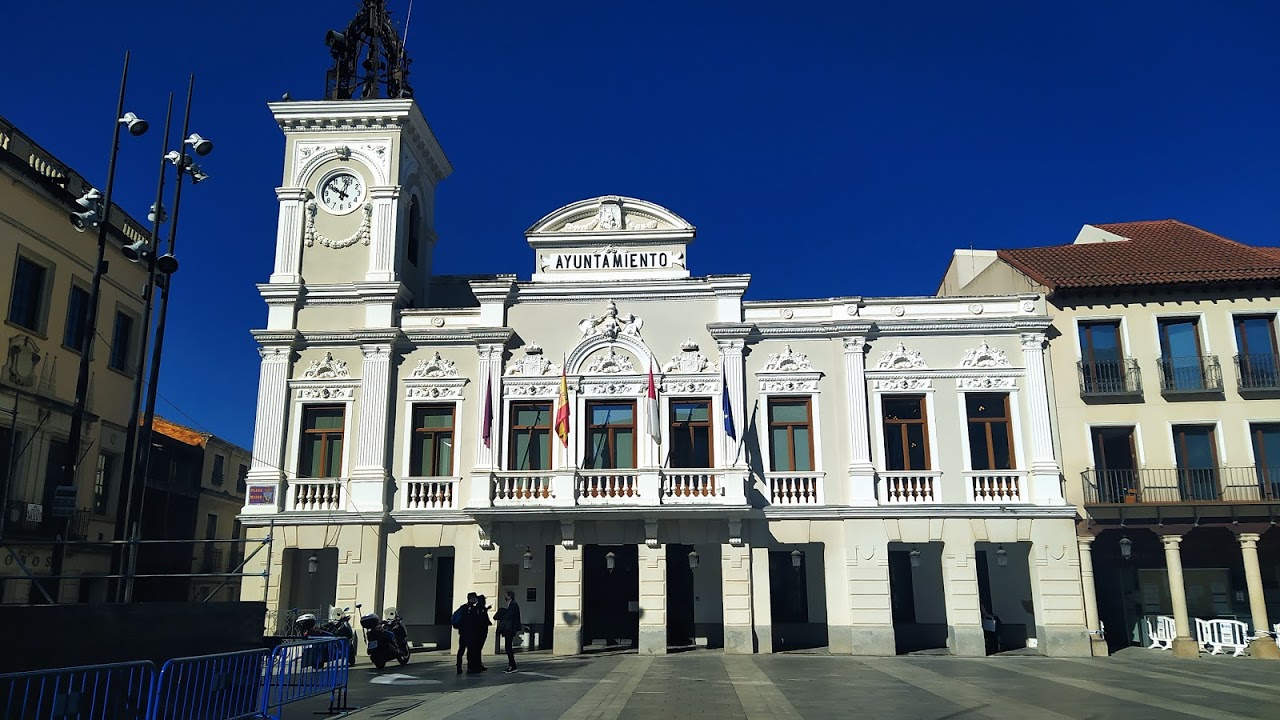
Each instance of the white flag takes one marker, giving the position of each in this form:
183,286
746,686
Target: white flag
651,410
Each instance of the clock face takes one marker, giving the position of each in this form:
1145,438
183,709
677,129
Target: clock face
342,192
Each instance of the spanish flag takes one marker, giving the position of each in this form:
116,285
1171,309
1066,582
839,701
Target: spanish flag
562,412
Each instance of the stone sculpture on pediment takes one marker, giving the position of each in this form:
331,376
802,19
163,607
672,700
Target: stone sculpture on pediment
788,361
984,356
900,358
532,364
611,363
435,367
611,325
329,367
688,360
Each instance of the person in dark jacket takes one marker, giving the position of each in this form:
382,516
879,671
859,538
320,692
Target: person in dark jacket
509,625
465,624
479,632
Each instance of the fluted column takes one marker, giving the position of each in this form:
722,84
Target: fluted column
370,472
1091,619
268,430
1184,645
731,359
488,383
1045,473
293,202
862,472
382,242
1263,647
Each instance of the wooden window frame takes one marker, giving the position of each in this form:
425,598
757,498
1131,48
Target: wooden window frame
324,444
516,428
588,460
690,427
791,436
123,355
1242,340
41,319
435,436
1180,442
888,425
1162,330
1006,418
1088,327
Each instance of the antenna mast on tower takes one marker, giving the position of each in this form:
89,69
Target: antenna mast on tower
368,57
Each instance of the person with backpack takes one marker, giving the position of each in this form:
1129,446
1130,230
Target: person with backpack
509,625
463,621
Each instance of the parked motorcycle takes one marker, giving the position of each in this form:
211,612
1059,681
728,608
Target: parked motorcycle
305,625
385,639
339,625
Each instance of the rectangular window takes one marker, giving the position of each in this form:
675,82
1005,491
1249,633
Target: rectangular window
1180,354
122,343
611,435
211,527
431,454
1115,465
990,431
906,432
1102,357
530,436
77,317
242,478
1197,456
1266,457
26,304
691,434
790,435
217,476
102,483
1256,340
320,455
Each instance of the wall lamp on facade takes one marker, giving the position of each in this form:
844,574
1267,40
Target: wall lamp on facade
1126,548
915,556
427,560
1002,556
313,564
610,560
528,558
694,559
797,558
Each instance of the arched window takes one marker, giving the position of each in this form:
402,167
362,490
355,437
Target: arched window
411,246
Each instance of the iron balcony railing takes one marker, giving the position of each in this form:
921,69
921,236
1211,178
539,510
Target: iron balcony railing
1190,374
1110,378
1163,486
1258,372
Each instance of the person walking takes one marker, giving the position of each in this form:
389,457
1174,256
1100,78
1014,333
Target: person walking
464,622
479,633
509,625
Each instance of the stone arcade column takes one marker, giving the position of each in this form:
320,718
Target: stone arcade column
566,638
382,249
761,603
960,587
862,471
735,577
269,426
1265,646
293,201
485,564
1046,486
1097,643
369,476
1184,645
488,382
653,599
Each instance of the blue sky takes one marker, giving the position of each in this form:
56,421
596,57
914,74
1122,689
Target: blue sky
827,148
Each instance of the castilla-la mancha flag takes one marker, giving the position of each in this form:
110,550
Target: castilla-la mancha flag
651,410
562,411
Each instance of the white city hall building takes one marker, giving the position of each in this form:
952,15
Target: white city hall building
858,474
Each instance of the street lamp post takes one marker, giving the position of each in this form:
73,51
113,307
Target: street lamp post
96,214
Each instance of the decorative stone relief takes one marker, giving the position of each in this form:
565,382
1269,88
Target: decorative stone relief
432,392
612,324
611,363
533,364
899,311
529,390
436,367
976,308
904,384
329,367
782,386
21,361
323,392
900,358
616,389
990,382
691,387
688,360
984,356
609,217
788,361
1028,306
651,534
787,313
735,533
362,234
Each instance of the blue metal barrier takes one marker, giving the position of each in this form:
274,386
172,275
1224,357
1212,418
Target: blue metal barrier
310,668
119,691
227,686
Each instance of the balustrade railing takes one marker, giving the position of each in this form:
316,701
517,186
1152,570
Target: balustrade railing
1109,378
604,487
526,487
909,487
1181,485
996,487
312,495
691,486
789,488
429,493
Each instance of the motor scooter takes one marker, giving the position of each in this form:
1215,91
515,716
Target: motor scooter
339,625
385,639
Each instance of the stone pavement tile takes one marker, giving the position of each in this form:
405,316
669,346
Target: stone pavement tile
679,684
546,688
760,697
834,687
1189,685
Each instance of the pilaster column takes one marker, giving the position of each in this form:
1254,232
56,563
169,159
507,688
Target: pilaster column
960,588
1184,645
488,389
369,475
293,202
1097,643
382,243
731,359
484,578
1045,473
653,599
735,577
566,636
269,426
761,601
1265,646
862,472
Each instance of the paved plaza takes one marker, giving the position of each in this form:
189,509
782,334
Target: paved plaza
1134,685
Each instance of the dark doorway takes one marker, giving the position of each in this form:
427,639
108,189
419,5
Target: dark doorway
611,596
1116,465
680,619
546,637
916,597
797,623
444,591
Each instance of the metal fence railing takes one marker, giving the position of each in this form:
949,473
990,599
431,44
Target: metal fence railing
119,691
1190,374
1182,485
306,669
1118,377
227,686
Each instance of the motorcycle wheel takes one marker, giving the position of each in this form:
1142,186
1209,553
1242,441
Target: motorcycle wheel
379,662
403,659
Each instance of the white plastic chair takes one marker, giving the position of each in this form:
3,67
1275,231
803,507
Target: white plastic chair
1277,634
1228,635
1204,632
1161,633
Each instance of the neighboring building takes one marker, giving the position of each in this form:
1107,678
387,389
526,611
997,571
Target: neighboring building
46,268
1167,392
195,488
787,492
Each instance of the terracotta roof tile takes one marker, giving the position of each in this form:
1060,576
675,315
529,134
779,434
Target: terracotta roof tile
180,433
1156,252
